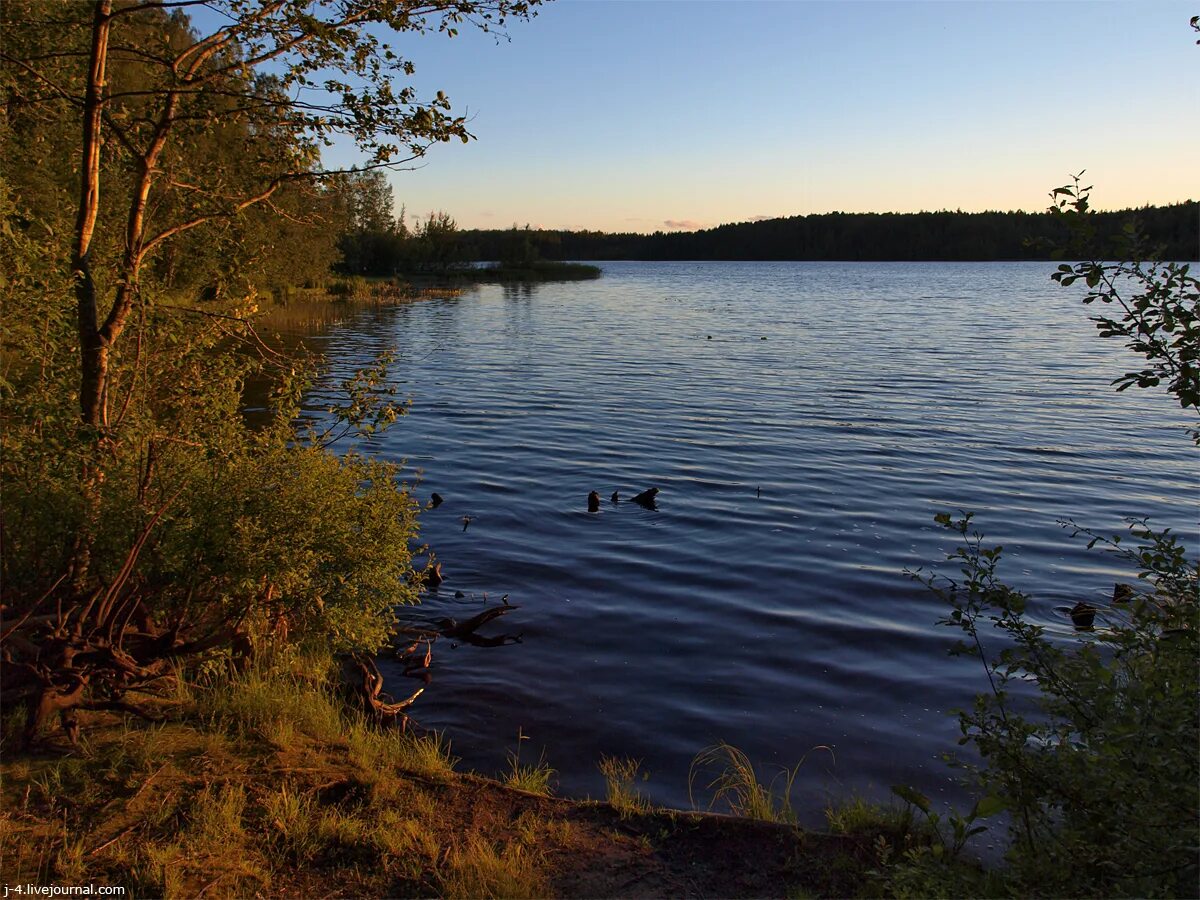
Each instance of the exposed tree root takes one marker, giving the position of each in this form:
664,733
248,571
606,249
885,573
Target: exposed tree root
364,683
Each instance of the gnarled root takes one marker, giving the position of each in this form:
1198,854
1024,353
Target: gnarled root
56,699
364,682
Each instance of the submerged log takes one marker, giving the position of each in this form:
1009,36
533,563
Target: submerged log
452,628
430,577
646,498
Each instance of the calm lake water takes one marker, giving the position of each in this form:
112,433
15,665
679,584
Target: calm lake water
804,422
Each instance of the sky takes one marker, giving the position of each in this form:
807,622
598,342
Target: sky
677,114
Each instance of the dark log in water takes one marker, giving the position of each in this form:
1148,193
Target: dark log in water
1083,615
646,498
452,628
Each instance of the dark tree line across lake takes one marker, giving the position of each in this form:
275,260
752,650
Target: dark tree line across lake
947,235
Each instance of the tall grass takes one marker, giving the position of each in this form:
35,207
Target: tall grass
532,777
297,696
735,783
620,777
478,869
216,815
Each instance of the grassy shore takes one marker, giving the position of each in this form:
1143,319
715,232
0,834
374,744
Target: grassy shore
267,784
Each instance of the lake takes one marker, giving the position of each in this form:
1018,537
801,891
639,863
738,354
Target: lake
804,422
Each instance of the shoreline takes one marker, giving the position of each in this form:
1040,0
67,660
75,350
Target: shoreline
228,795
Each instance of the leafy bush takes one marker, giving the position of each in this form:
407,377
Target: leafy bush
183,529
1093,744
1101,781
1158,301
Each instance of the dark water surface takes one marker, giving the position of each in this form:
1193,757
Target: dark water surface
860,399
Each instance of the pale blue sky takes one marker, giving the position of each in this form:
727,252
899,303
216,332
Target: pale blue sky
636,115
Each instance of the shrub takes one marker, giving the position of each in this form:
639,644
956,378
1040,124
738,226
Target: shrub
1093,744
1101,781
181,529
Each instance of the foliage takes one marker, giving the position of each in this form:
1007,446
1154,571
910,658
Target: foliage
371,240
538,271
954,829
1100,782
247,526
162,174
1093,744
376,244
1158,302
859,816
350,288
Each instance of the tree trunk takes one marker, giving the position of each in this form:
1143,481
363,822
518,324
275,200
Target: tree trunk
93,352
92,349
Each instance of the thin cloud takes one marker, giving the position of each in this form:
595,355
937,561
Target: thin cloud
683,224
761,218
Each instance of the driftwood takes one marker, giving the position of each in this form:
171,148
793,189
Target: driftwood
417,664
364,683
429,577
452,628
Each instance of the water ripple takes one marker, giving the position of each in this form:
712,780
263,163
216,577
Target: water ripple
804,422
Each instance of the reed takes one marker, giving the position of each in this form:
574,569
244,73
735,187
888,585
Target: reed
734,782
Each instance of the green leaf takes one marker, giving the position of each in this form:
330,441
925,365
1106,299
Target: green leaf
988,806
910,795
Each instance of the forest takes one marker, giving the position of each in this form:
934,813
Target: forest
945,235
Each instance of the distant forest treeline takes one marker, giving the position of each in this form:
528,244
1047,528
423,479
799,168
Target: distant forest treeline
848,236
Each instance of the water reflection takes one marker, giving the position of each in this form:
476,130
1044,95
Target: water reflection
519,290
